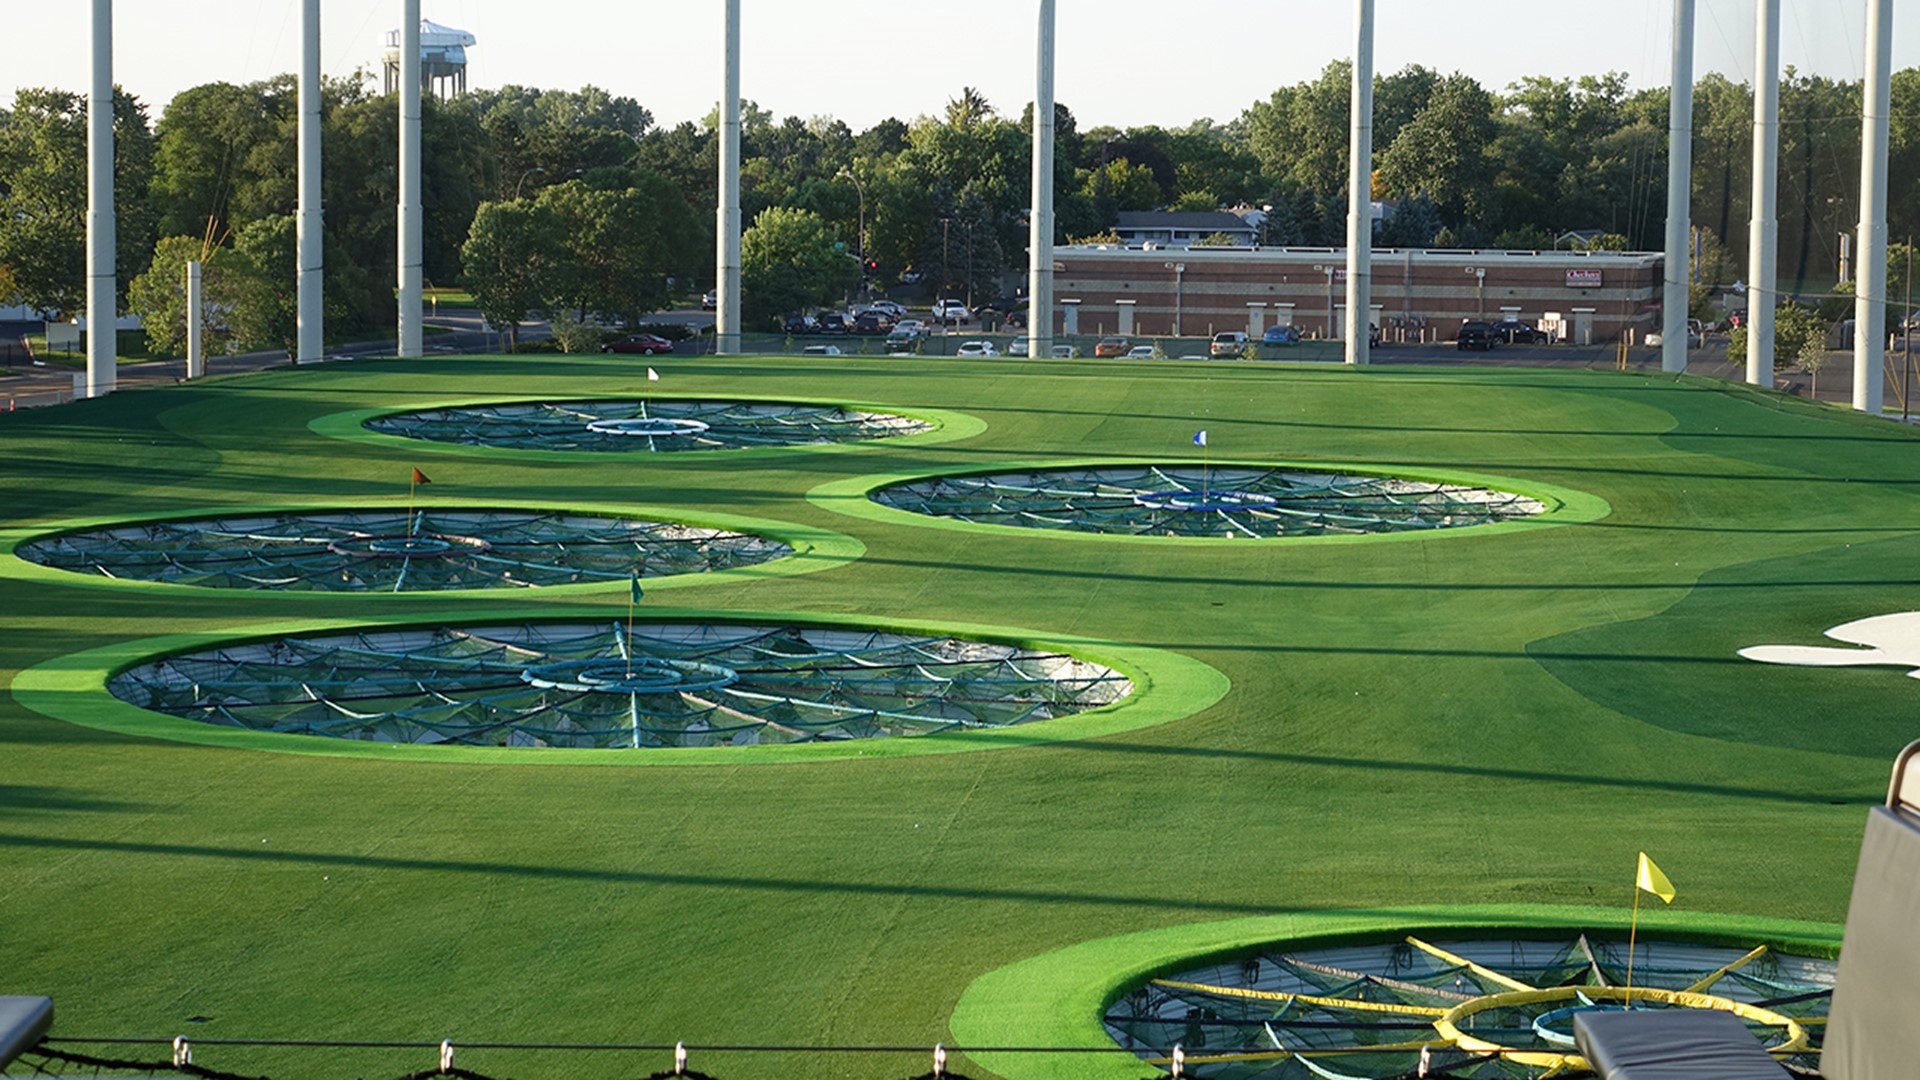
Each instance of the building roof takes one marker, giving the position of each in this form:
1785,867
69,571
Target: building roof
1197,220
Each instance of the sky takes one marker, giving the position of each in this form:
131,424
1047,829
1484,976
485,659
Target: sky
1120,62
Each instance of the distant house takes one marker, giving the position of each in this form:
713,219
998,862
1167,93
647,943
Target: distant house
1179,229
1578,239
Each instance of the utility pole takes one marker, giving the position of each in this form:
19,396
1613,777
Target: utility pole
412,336
1040,223
103,352
1678,297
1763,233
309,243
1360,190
726,315
1870,273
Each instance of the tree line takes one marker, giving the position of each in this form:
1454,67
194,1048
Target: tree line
576,201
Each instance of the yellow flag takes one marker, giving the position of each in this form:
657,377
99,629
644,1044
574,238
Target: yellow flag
1653,881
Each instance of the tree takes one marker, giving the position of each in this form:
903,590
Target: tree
266,305
510,259
628,236
1124,186
1442,152
43,194
159,296
790,260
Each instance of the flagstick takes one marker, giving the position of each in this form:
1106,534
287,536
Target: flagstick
630,606
411,484
1204,451
1633,933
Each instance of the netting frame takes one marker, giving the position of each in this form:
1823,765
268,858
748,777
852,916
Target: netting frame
814,549
853,497
1060,998
349,426
73,688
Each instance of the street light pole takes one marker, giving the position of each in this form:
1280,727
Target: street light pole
102,272
1763,235
1870,273
860,239
727,256
523,180
1360,190
1675,301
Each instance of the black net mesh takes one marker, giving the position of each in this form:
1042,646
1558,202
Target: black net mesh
605,686
646,426
392,551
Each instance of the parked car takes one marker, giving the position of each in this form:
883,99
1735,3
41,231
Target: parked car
1018,348
1066,352
894,310
801,324
949,311
900,341
1373,335
1112,346
1475,335
1228,343
821,350
1140,352
977,348
1283,334
872,322
643,344
913,327
832,323
709,300
1520,332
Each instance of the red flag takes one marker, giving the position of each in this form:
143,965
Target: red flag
420,477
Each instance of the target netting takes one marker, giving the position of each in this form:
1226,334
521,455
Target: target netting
1480,1009
1188,500
605,686
646,426
392,551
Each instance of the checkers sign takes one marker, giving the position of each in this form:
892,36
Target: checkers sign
1583,279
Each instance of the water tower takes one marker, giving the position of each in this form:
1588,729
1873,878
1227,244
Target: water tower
443,59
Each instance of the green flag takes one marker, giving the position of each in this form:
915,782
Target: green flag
634,585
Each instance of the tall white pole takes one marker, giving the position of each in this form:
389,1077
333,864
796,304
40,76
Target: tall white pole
1360,189
411,335
1675,304
102,313
1763,234
1870,275
310,247
1040,232
726,313
196,347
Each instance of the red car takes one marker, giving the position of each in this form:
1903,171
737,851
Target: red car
645,344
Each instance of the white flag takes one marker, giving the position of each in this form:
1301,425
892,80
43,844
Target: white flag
652,375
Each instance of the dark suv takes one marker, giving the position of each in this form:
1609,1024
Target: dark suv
1476,335
831,323
1517,332
872,322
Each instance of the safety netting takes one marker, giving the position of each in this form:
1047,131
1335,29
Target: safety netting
615,684
646,426
1473,1009
399,551
1190,500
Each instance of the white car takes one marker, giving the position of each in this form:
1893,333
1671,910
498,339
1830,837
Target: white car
1139,352
977,348
1018,348
897,311
912,327
821,350
1066,352
950,311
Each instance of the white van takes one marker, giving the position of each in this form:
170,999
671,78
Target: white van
1230,343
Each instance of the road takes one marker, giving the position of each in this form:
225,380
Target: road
466,332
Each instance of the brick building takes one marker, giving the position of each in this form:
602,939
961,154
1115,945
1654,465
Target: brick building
1580,296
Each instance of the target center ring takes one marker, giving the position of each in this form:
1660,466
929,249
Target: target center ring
658,427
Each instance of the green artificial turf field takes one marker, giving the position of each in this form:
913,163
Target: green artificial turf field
1492,717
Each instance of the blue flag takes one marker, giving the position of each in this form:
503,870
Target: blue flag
635,586
1200,437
